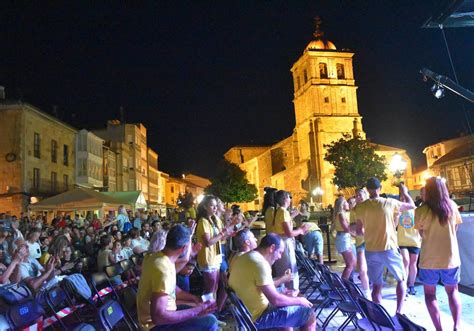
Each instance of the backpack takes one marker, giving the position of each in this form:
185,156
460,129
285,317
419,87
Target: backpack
13,294
127,227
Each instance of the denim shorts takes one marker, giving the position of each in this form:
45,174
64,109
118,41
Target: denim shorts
283,317
376,261
411,249
361,248
343,242
447,276
313,242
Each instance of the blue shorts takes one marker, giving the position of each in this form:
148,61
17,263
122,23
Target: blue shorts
343,242
283,317
447,276
313,242
391,259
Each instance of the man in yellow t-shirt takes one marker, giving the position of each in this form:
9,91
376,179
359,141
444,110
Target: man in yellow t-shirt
157,290
376,222
251,279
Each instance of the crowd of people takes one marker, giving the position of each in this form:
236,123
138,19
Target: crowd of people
373,234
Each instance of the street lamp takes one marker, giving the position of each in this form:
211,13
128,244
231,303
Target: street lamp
397,167
318,192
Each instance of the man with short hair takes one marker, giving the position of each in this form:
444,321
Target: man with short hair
244,241
375,220
251,279
157,290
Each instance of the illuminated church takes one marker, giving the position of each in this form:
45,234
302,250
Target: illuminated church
325,105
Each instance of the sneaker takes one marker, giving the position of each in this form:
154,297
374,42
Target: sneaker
411,290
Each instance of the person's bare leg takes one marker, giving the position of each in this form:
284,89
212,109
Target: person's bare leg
455,304
412,269
401,291
432,305
209,282
349,260
310,324
362,265
406,259
377,293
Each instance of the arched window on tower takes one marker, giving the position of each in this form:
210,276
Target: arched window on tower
323,70
340,71
305,76
298,83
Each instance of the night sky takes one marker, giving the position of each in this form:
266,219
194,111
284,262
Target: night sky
204,76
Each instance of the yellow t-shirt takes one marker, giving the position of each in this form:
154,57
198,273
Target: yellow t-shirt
158,276
208,256
282,216
359,240
250,271
312,226
377,217
269,219
190,213
407,235
439,248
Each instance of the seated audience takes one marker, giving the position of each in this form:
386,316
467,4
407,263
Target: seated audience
251,279
157,290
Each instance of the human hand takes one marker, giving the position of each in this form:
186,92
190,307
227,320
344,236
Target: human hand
67,266
304,302
51,263
207,307
294,212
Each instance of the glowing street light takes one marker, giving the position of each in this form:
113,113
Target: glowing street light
199,198
397,165
318,191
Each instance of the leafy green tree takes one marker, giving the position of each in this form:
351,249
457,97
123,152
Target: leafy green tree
355,161
230,184
185,200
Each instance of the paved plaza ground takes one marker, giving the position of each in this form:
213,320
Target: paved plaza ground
414,308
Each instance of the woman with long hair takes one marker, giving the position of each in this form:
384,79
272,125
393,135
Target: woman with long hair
343,237
269,207
283,226
437,221
210,233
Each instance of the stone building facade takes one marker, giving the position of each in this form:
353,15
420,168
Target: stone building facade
325,106
37,156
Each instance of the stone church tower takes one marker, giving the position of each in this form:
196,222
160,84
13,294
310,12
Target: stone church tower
325,106
325,103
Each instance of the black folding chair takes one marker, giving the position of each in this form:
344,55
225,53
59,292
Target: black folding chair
114,270
99,281
57,299
240,312
378,316
347,305
407,324
111,314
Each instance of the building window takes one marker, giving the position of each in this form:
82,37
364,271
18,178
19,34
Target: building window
305,75
343,100
326,99
65,182
340,71
323,70
37,146
462,175
36,178
54,151
66,155
172,188
298,82
54,181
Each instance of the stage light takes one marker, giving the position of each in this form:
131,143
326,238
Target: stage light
438,91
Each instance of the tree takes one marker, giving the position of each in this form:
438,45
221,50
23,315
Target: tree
185,200
355,161
230,184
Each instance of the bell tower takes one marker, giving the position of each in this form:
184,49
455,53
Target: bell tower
325,103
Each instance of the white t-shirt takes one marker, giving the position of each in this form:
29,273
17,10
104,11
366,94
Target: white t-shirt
140,242
30,269
34,249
